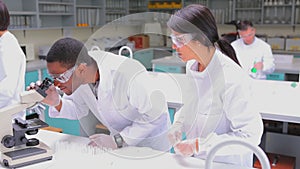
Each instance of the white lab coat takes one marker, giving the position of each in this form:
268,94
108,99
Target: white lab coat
14,62
2,71
219,110
124,106
257,51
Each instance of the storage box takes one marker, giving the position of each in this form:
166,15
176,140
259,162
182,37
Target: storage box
293,44
277,43
278,161
141,41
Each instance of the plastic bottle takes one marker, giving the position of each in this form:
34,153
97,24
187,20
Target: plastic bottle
255,73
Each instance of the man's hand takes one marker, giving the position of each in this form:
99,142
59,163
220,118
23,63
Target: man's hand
259,65
175,133
52,98
103,140
187,148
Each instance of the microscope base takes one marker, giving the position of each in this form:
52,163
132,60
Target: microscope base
25,156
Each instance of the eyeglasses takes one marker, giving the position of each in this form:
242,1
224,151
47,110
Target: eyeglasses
64,77
181,40
247,35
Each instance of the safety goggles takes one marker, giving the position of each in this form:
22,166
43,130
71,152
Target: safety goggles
242,35
64,77
181,40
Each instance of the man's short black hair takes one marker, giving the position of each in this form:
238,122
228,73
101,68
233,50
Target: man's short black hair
4,16
68,51
244,25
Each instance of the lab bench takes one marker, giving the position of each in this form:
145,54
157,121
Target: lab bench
275,100
74,147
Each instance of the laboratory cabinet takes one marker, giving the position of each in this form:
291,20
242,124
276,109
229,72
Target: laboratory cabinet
115,9
37,14
267,12
90,13
57,13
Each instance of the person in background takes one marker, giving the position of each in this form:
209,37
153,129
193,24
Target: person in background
219,109
14,64
254,54
112,88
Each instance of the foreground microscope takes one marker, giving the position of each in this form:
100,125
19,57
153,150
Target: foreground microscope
16,149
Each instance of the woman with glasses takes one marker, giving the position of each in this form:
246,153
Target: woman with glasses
254,54
112,87
220,107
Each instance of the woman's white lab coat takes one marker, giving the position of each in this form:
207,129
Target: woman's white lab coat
14,62
219,109
124,104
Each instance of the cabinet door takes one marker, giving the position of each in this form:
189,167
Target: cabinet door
137,6
115,9
90,13
248,10
278,12
23,13
297,12
56,13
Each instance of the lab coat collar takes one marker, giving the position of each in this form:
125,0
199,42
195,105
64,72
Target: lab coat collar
105,84
208,70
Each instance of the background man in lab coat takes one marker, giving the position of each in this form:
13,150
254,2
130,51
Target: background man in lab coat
12,70
114,88
254,55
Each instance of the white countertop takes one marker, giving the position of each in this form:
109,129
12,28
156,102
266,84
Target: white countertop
129,157
292,68
276,100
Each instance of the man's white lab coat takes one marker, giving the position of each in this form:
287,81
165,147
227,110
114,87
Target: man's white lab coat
247,55
124,103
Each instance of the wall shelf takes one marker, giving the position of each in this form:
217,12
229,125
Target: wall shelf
28,14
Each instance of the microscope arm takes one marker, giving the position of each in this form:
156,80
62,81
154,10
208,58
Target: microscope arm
28,99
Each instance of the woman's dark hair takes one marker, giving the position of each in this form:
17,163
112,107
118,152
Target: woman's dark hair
69,51
198,19
4,16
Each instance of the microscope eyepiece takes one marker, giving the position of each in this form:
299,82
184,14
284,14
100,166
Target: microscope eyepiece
44,86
